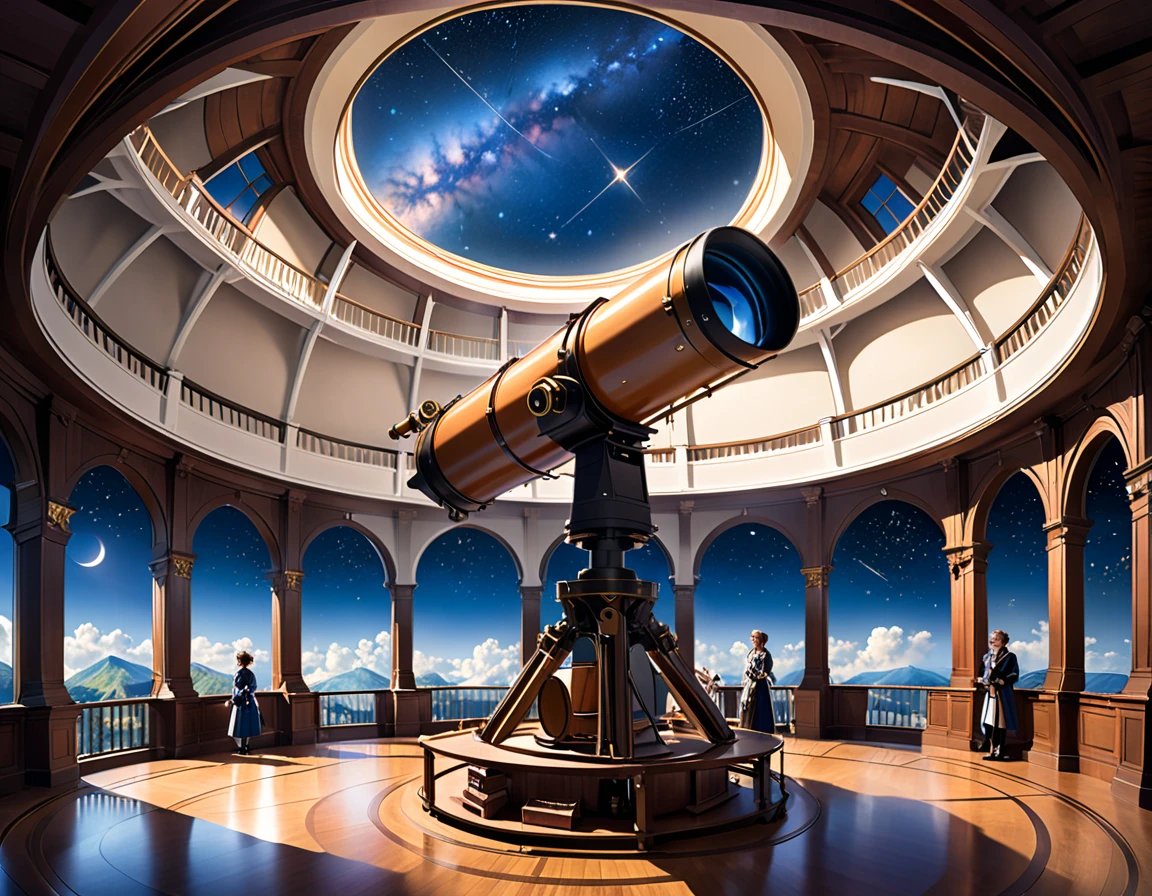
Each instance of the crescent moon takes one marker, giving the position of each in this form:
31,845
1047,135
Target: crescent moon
99,557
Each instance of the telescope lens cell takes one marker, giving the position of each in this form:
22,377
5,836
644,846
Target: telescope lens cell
738,286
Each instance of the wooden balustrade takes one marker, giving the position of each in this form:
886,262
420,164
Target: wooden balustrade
477,348
113,726
377,323
798,438
230,414
327,446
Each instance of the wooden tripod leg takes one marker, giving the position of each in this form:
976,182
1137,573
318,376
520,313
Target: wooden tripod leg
555,645
688,692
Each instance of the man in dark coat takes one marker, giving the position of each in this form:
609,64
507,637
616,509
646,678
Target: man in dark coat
1001,670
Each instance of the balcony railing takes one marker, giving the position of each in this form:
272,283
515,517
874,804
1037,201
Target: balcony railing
661,455
799,438
364,318
347,708
327,446
113,727
230,414
94,329
453,703
476,348
935,201
518,348
898,707
783,703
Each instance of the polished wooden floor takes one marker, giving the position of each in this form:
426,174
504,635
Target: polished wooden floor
344,819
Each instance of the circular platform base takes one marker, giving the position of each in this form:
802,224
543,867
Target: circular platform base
682,787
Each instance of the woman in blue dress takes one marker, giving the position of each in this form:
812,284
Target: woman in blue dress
756,697
1001,671
246,719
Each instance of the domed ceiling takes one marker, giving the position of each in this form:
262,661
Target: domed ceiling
556,140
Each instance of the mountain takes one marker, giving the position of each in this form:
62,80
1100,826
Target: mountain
6,683
433,680
359,679
910,676
110,679
209,681
1094,682
792,678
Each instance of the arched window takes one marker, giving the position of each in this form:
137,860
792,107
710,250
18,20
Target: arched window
231,601
750,579
565,562
7,576
346,626
889,616
1017,578
1108,575
467,612
108,591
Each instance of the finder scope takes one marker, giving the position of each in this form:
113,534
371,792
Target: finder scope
723,306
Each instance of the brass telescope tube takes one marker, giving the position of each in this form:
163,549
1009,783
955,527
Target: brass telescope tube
723,304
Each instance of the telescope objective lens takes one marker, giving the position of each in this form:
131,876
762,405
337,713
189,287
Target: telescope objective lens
735,287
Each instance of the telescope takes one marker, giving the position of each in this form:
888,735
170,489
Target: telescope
722,306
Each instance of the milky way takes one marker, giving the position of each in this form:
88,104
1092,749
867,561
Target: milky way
488,134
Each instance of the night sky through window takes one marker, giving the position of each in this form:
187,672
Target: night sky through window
107,607
889,598
7,576
489,134
1108,573
347,608
749,578
467,610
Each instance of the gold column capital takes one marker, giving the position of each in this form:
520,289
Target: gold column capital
816,576
60,515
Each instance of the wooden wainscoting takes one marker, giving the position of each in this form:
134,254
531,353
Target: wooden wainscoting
1111,734
11,748
952,718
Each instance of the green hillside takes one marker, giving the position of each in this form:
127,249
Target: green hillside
110,679
209,681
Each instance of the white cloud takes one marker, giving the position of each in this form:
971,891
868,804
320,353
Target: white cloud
1033,655
222,657
728,663
87,645
489,664
5,640
887,648
375,654
1109,661
1088,642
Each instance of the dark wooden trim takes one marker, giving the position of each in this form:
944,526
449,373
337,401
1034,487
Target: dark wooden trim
274,68
922,146
238,151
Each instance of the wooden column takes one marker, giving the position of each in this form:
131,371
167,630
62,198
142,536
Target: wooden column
287,608
529,620
41,534
812,696
172,626
1055,741
402,676
1133,779
953,717
685,597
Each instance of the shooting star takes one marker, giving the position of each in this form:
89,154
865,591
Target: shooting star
621,174
495,111
871,570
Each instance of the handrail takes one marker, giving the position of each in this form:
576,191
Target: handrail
661,455
98,332
235,415
480,348
370,320
797,438
341,449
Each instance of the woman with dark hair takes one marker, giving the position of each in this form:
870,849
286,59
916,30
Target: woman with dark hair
246,719
1001,670
756,696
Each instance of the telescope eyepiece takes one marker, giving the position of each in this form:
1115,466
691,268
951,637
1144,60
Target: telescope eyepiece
547,396
416,421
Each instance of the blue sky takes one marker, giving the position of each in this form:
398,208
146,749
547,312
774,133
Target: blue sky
889,597
7,474
488,134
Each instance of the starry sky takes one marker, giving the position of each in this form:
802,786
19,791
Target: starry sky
7,475
488,135
749,578
231,598
889,598
108,607
1108,566
347,613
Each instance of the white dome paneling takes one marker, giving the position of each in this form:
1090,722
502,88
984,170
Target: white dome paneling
244,351
918,179
447,319
289,231
181,133
442,386
362,286
1039,204
833,236
787,393
994,281
797,263
903,343
146,303
352,396
91,234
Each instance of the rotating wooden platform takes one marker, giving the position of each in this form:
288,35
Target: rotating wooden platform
347,819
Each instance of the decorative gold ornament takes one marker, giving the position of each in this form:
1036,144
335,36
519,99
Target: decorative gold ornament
60,515
293,579
816,576
182,564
